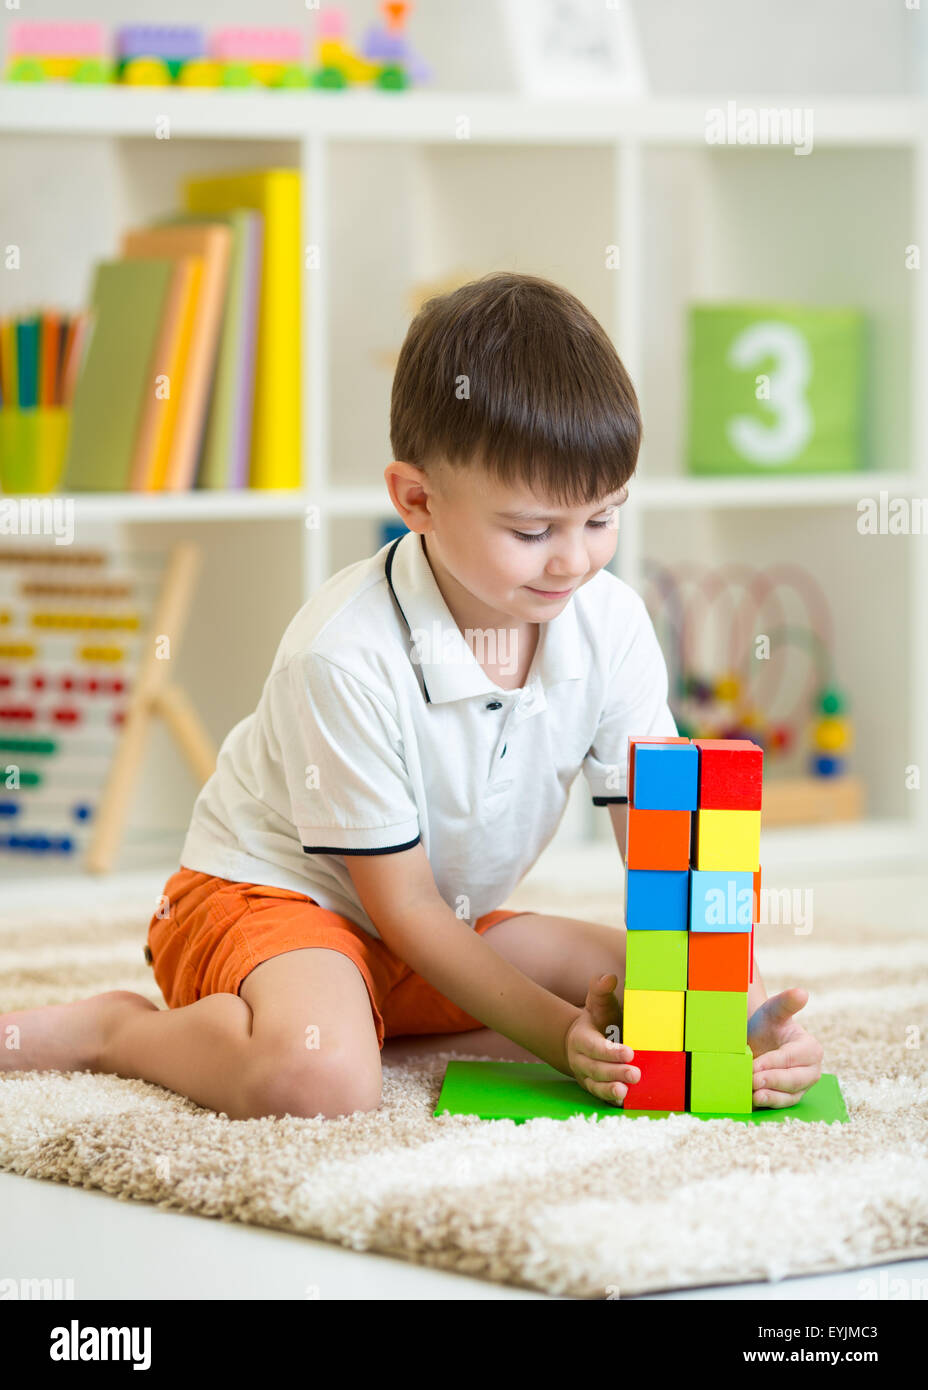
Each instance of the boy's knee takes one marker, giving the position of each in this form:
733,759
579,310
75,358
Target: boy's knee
307,1084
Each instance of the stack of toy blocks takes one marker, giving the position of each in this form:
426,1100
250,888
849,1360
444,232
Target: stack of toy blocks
692,878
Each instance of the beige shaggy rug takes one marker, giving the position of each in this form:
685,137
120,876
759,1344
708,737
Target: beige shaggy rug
575,1208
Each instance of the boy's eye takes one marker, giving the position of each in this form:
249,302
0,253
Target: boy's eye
543,535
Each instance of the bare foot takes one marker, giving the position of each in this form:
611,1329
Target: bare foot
63,1037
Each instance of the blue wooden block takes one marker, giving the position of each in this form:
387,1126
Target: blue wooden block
657,899
721,900
666,776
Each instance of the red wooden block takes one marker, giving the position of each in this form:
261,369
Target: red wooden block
657,839
644,738
663,1082
751,966
755,917
731,774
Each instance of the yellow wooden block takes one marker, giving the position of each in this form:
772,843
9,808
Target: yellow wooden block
728,840
653,1019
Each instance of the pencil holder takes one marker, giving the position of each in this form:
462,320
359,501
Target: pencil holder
33,445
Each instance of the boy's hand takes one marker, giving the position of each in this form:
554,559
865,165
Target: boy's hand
599,1065
787,1059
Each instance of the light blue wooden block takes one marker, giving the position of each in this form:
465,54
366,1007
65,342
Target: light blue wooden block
721,900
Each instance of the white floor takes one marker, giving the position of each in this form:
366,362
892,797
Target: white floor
113,1249
117,1250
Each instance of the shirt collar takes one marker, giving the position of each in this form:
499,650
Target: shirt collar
448,669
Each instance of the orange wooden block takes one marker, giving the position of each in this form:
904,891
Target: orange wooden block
719,960
657,839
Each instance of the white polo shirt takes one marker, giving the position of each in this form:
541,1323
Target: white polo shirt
371,735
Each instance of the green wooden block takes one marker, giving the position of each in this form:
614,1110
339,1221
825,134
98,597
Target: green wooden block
776,388
715,1020
656,959
722,1082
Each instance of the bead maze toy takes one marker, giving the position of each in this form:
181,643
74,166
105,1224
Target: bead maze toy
692,866
751,656
184,55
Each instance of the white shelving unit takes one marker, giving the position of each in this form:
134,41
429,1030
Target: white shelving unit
653,187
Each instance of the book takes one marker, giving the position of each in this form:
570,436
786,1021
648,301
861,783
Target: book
212,242
113,371
224,457
276,443
159,410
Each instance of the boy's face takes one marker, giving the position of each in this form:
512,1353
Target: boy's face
519,554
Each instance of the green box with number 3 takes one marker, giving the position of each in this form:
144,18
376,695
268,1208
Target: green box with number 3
776,388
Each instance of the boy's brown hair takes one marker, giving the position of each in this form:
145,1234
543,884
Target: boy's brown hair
513,372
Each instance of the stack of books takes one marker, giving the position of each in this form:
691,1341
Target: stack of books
188,374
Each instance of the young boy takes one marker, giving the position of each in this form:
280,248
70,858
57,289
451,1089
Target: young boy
411,756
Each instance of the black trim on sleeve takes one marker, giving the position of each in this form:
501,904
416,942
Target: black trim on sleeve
610,800
333,849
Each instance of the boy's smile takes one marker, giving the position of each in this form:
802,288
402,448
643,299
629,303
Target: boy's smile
549,593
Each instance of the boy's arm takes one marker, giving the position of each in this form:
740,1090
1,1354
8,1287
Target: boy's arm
618,811
399,894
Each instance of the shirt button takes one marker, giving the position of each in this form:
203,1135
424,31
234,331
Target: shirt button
505,746
495,704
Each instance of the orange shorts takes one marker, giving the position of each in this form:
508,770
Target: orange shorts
216,931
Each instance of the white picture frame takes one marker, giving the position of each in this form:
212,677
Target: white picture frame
575,48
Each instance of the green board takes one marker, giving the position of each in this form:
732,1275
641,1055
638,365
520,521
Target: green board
533,1090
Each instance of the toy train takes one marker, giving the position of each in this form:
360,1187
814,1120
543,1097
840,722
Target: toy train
160,55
